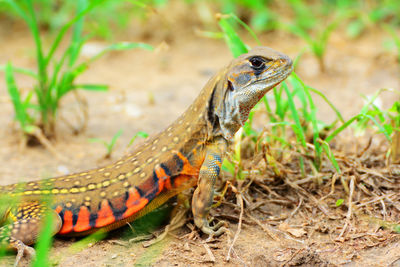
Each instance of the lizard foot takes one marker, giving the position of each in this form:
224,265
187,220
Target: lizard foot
22,248
215,230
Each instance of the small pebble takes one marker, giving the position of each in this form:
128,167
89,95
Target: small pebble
62,169
133,111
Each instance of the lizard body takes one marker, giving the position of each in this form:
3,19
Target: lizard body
188,152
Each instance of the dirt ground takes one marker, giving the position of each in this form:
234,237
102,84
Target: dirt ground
148,91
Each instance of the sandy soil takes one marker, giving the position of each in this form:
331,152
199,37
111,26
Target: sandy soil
148,91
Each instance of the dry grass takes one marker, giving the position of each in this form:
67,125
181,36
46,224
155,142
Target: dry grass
290,206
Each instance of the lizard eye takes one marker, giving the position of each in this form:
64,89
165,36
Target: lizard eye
257,63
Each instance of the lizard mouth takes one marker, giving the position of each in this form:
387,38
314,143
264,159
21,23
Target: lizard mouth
274,79
259,88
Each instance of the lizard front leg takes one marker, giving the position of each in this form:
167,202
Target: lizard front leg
204,193
27,222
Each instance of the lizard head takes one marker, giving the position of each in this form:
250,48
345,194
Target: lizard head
244,83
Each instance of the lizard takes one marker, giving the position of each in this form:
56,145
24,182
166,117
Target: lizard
187,153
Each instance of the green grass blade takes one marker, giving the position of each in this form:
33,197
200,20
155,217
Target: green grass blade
341,128
244,25
281,105
98,140
271,116
298,31
298,90
371,100
114,140
24,71
268,108
281,140
228,166
65,28
380,127
330,155
378,112
76,40
17,9
337,112
91,87
248,126
235,44
138,134
129,45
210,34
54,85
297,128
20,112
34,28
313,118
327,32
44,242
69,77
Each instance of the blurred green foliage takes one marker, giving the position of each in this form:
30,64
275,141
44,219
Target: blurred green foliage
313,21
55,75
261,15
102,21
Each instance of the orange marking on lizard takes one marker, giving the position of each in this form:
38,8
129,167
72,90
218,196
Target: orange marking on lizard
134,203
167,183
58,209
180,180
105,215
67,225
187,169
162,178
82,224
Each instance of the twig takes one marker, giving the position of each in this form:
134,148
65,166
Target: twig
295,210
383,209
365,148
265,187
232,218
282,202
350,204
46,143
365,170
305,180
291,258
240,259
209,252
240,200
301,190
375,200
334,178
343,230
349,211
268,231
